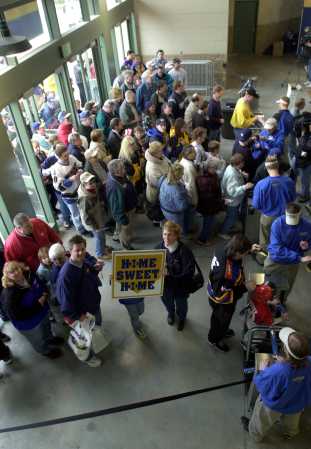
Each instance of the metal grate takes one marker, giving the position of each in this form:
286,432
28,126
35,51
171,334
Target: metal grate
200,75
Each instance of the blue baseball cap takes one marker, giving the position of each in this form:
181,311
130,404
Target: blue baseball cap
35,126
245,135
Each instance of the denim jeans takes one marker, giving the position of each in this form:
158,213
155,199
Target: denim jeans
232,216
178,304
75,214
63,208
134,311
305,174
208,221
39,337
214,134
100,242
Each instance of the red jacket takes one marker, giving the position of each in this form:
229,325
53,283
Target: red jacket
25,249
63,132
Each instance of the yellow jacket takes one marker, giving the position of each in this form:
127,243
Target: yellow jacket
242,115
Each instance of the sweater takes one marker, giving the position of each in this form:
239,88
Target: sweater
77,290
214,114
285,389
233,185
22,306
25,248
61,173
272,194
285,241
180,266
242,115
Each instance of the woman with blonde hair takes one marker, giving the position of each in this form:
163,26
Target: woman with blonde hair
96,165
25,300
130,156
180,268
174,200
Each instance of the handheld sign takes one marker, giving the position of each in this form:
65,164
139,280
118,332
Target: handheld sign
137,274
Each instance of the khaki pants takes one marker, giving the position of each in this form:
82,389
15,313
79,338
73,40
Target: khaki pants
264,230
125,231
283,276
263,419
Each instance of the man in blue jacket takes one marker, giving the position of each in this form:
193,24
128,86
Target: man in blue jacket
289,239
77,287
144,93
284,117
271,196
284,388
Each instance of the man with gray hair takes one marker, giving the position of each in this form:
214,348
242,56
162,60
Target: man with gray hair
122,200
128,112
104,117
75,147
24,242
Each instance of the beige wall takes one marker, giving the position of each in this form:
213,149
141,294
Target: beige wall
193,27
274,18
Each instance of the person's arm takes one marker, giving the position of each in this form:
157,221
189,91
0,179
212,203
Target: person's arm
52,235
277,248
233,188
269,383
256,198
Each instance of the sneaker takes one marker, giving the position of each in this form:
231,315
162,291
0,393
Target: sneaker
245,423
224,236
141,334
230,333
54,353
220,345
181,325
170,319
94,362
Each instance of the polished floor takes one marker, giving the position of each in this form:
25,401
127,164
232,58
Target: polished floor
168,362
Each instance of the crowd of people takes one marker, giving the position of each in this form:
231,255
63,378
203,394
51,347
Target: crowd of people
151,149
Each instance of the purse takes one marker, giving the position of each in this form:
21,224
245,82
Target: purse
197,280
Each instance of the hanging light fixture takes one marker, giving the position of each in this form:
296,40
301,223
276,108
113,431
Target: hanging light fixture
9,45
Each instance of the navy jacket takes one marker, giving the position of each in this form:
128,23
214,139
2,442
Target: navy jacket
285,241
285,121
77,153
214,113
77,290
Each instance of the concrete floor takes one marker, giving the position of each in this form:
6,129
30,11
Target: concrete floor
169,362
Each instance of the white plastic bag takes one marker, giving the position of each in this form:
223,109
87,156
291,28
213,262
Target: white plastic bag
80,338
99,340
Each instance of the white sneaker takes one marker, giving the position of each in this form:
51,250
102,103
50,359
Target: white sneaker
94,362
224,236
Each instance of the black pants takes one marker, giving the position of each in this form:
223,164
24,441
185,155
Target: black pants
220,320
5,352
178,304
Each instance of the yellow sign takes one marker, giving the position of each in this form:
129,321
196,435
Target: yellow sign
137,274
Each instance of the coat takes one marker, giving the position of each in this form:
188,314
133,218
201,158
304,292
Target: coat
210,200
25,249
114,144
121,197
127,115
155,169
92,209
63,132
189,179
174,201
190,110
233,185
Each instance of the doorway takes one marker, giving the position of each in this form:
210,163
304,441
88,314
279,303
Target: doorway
245,25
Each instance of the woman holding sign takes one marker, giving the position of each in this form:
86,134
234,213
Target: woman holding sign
180,266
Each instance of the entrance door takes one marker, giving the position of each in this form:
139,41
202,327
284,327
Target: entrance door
245,21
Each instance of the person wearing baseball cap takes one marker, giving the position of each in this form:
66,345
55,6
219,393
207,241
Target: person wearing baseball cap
290,238
243,116
244,145
272,138
86,121
284,388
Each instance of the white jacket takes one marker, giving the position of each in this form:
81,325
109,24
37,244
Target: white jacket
189,179
155,169
233,185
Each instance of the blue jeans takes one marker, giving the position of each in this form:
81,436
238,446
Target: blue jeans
134,311
232,216
305,174
63,208
75,214
214,134
174,303
208,221
39,337
100,242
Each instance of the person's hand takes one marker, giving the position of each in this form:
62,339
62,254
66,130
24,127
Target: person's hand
82,317
246,175
306,259
255,248
99,265
249,185
222,121
304,245
43,299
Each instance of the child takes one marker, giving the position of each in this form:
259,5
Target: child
214,154
135,308
44,272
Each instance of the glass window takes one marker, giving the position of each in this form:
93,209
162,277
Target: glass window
28,20
112,3
68,13
48,102
125,36
22,163
119,43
